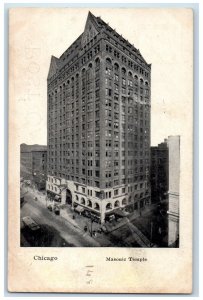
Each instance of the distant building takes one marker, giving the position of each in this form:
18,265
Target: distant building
159,172
98,115
173,193
33,159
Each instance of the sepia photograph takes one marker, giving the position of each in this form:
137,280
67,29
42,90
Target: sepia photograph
98,182
100,145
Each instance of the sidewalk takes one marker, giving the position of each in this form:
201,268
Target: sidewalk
67,213
101,239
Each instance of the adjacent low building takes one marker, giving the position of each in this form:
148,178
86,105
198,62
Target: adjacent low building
165,180
33,160
173,193
159,172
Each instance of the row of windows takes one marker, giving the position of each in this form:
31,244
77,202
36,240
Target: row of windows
125,61
76,66
83,180
97,64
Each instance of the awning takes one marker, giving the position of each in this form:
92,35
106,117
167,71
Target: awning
79,209
120,213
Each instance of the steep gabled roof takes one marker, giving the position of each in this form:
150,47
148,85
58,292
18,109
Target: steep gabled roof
94,20
102,25
93,26
53,66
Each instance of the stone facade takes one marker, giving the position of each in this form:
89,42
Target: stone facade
99,122
174,182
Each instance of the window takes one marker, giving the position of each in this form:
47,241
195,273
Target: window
97,153
97,185
116,163
130,83
108,71
89,172
116,173
115,192
115,77
108,174
116,87
97,93
146,92
116,67
108,92
108,81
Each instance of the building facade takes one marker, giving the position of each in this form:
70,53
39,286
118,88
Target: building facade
173,194
33,159
159,172
39,168
98,120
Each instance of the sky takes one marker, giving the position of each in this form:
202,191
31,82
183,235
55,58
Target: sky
164,38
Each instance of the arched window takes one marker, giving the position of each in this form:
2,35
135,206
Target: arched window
130,74
96,206
117,204
123,70
146,83
97,62
108,61
108,206
83,72
76,198
136,77
89,72
124,201
130,199
89,203
116,67
82,201
141,81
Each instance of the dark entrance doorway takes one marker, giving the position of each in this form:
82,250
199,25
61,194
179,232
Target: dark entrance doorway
68,196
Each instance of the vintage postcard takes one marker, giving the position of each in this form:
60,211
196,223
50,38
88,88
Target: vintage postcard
100,150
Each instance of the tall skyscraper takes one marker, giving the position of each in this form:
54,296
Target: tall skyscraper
98,120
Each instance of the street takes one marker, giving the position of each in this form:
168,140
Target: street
64,231
55,230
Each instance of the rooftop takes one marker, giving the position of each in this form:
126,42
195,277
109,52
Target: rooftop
30,148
